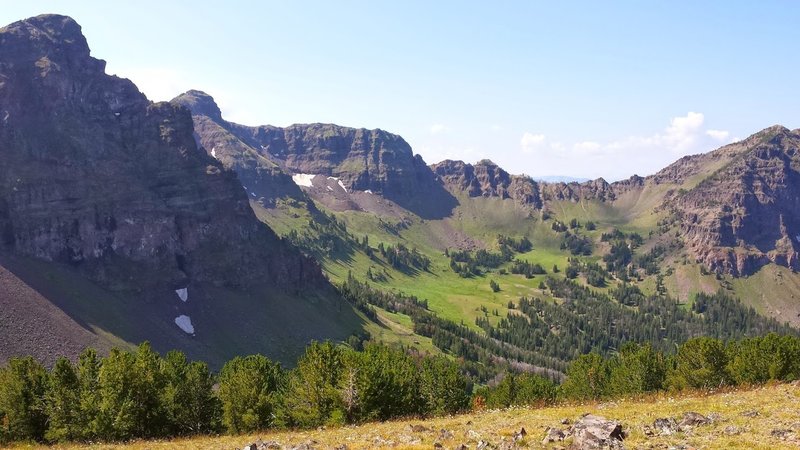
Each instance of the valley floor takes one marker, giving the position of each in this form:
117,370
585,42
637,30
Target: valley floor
759,418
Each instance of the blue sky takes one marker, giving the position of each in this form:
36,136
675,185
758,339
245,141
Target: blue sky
585,89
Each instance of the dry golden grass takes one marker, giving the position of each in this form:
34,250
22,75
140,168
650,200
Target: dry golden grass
778,407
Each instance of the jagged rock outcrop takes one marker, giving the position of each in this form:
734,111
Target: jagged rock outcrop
94,175
597,189
487,179
361,159
747,212
261,178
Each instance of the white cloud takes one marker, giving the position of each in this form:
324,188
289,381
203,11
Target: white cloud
621,158
683,132
719,135
438,128
495,128
587,146
530,141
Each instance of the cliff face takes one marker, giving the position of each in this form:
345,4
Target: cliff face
486,179
94,175
362,160
747,213
261,178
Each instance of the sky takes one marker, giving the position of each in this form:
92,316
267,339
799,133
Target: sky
582,89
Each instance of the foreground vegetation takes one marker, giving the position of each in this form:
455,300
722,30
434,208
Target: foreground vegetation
134,395
745,418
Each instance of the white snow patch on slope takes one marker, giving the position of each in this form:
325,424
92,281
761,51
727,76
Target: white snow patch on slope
185,324
214,152
303,179
329,188
339,182
183,294
368,191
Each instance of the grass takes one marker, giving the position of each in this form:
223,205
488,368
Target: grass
777,407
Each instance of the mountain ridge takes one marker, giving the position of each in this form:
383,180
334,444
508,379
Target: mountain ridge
107,198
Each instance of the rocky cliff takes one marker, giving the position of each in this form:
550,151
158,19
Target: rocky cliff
94,175
487,179
261,178
747,212
361,160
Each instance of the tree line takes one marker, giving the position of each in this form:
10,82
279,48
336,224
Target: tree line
141,395
700,363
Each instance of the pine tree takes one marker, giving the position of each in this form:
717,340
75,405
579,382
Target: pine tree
62,403
313,396
22,388
248,390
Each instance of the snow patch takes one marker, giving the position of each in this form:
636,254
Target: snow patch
252,193
368,191
329,188
214,152
183,294
303,179
185,324
339,182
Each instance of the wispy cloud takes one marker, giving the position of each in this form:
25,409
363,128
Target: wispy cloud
438,128
719,135
615,159
529,141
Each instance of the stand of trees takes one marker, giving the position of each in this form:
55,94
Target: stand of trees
468,264
141,395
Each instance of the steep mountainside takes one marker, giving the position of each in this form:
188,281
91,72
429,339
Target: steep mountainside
746,213
263,180
96,177
356,159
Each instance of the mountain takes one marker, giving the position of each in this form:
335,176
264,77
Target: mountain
105,197
746,213
487,179
357,160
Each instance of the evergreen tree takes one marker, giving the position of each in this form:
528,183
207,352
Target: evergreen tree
22,387
313,393
587,378
62,403
637,369
700,363
387,383
248,389
187,396
442,386
88,394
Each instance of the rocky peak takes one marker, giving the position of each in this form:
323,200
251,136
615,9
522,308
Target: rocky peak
598,189
747,212
361,160
94,175
59,38
487,179
200,103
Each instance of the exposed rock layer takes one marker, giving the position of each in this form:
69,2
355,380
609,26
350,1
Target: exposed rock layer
94,175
